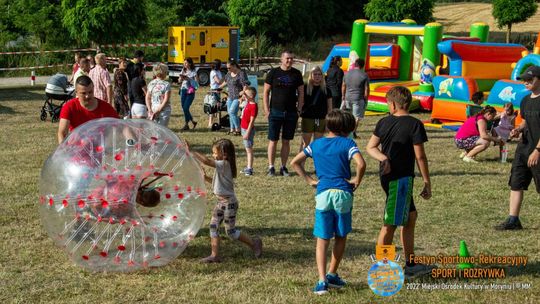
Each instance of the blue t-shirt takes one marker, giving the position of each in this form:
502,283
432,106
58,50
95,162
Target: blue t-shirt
332,157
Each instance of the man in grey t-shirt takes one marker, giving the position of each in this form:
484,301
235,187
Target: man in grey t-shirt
355,91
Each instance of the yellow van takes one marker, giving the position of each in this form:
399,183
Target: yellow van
203,44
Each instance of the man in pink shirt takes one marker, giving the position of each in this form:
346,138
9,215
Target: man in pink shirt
102,79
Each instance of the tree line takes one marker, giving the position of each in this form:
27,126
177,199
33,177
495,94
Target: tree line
49,24
81,23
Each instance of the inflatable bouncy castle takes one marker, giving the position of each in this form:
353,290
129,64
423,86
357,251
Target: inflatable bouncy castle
396,61
492,68
412,61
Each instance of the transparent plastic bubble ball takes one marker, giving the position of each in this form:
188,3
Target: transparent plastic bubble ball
122,195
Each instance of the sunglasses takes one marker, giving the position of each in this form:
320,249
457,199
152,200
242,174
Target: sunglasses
530,81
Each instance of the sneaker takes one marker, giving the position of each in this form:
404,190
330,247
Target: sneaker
248,171
507,225
469,159
418,270
283,171
272,171
462,155
321,288
335,281
257,247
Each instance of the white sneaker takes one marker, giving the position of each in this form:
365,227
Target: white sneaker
418,270
469,159
462,155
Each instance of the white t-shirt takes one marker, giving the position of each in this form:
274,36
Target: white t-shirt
214,85
222,182
191,77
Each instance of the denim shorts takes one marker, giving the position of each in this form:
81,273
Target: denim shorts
248,143
278,120
358,109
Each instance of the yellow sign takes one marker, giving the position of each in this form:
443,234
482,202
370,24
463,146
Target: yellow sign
385,251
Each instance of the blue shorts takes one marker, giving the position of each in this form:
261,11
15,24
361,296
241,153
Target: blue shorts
248,143
333,214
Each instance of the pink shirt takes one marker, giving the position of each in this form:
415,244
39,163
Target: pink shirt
102,80
469,127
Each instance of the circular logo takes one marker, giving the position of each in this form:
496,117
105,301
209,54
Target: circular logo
385,278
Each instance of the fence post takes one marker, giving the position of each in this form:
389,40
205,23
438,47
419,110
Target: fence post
33,78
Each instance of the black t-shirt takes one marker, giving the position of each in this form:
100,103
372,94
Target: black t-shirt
398,136
334,80
284,88
316,104
130,69
530,111
137,85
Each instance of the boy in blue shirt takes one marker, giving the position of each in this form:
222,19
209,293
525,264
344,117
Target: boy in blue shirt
331,156
398,143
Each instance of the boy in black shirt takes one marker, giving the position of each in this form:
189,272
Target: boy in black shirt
398,140
526,164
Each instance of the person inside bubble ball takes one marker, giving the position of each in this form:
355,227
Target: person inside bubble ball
110,199
84,107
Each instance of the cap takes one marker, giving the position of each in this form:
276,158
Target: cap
530,72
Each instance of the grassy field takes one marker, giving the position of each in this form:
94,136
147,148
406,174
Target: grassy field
468,199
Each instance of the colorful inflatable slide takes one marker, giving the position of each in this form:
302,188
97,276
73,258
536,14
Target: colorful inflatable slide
486,67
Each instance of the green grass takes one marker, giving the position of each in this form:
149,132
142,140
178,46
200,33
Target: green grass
468,199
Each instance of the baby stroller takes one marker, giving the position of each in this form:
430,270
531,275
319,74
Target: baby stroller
58,89
213,105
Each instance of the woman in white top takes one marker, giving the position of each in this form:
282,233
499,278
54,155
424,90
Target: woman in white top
187,90
157,98
215,80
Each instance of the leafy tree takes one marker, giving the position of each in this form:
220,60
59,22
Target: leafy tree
259,17
208,17
344,14
508,12
312,18
37,21
420,11
320,18
104,21
8,30
167,13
